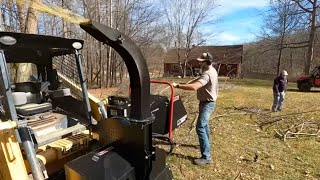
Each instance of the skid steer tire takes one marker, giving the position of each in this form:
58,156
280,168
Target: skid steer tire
304,86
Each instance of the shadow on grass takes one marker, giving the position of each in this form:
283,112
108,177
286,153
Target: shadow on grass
278,118
190,158
187,145
178,144
249,109
296,113
311,91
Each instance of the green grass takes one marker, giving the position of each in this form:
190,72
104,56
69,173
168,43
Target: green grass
236,141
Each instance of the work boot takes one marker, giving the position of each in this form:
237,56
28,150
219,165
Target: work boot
202,162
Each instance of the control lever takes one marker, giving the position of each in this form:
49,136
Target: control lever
103,110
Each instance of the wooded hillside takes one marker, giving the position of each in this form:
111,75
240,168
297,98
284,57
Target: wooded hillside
288,38
151,24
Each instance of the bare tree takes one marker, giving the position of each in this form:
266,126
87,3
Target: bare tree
135,18
280,22
139,19
184,18
311,8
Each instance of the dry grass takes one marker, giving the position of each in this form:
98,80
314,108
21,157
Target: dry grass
242,150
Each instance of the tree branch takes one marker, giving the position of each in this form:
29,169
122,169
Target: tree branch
303,8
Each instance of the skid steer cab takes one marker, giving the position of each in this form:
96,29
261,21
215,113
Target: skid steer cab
306,82
52,128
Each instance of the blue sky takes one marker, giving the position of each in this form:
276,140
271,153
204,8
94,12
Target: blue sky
235,21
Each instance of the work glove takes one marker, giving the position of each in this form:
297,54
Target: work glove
175,85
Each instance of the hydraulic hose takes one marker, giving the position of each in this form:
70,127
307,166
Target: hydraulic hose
166,139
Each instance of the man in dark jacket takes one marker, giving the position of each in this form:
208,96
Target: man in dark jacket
279,88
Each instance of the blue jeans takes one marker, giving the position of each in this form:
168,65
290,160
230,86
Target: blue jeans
203,130
278,99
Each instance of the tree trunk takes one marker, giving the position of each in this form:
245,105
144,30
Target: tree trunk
291,62
21,16
32,19
2,20
279,62
64,31
101,66
181,68
24,70
88,63
185,68
191,70
109,70
311,39
91,71
280,51
108,66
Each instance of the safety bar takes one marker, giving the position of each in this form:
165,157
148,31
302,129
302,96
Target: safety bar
171,103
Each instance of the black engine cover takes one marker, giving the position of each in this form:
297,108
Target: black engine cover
100,165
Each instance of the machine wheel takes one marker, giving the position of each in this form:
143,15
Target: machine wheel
304,86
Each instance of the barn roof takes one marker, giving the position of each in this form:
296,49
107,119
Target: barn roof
221,54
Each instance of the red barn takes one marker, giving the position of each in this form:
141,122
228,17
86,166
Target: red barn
227,59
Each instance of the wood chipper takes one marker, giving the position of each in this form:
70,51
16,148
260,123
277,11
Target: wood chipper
52,128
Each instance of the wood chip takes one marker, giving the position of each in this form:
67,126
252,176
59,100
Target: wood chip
271,166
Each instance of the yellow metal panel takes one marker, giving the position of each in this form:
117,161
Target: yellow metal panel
93,134
63,148
11,160
71,174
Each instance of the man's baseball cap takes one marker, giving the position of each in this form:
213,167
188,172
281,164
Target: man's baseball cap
284,72
205,57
